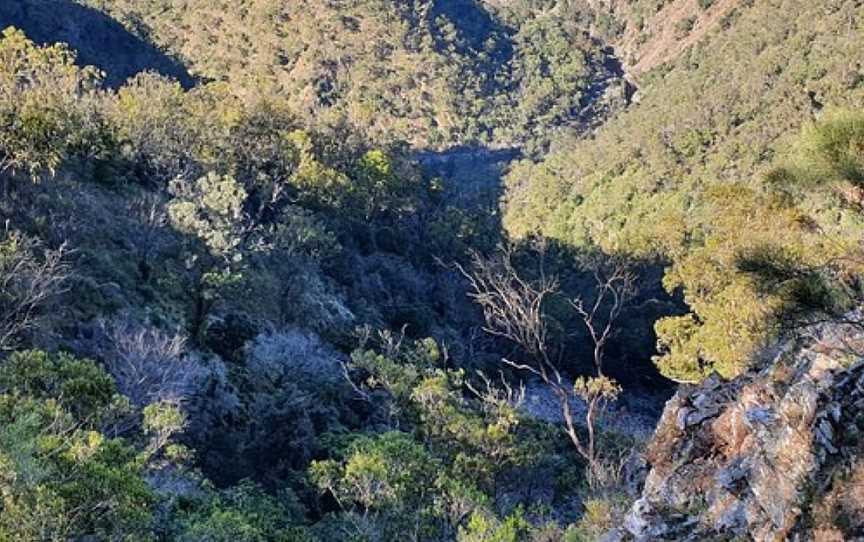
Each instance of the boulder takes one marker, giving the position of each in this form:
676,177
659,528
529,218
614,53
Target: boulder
755,457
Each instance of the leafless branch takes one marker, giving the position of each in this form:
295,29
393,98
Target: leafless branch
514,309
614,287
149,364
30,276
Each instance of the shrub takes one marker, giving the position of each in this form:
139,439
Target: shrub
243,513
297,355
60,477
153,127
31,278
43,97
150,365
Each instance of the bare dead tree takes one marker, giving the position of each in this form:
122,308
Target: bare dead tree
149,364
513,309
152,216
30,277
614,288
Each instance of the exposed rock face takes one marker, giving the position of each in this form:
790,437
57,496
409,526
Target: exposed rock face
650,39
759,457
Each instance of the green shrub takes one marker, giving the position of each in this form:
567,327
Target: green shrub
44,105
61,477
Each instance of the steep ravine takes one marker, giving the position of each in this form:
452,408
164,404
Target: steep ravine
473,174
472,178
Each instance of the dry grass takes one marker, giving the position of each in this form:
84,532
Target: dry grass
664,45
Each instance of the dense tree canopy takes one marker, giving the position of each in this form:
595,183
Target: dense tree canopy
681,176
430,73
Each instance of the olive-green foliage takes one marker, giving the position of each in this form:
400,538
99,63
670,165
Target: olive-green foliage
550,71
267,206
602,388
79,386
601,515
222,212
389,480
154,123
162,420
243,513
44,98
435,475
300,198
211,210
477,433
798,257
429,72
60,476
518,526
681,177
486,528
830,151
380,472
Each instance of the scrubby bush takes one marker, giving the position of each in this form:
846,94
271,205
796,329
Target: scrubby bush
60,476
243,513
31,278
44,106
150,365
153,127
297,355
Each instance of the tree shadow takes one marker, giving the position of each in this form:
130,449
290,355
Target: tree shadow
99,40
472,179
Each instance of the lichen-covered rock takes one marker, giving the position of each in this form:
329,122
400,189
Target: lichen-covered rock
757,457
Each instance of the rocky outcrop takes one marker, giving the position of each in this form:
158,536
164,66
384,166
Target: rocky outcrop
775,454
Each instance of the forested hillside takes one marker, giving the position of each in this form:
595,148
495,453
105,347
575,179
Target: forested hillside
98,39
434,74
684,175
428,270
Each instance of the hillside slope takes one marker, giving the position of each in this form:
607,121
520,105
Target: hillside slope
98,39
278,302
435,73
720,111
657,181
648,33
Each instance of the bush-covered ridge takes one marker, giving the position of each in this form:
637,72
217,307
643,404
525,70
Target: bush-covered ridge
234,275
433,73
682,174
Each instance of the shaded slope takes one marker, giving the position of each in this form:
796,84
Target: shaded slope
99,40
681,176
720,112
